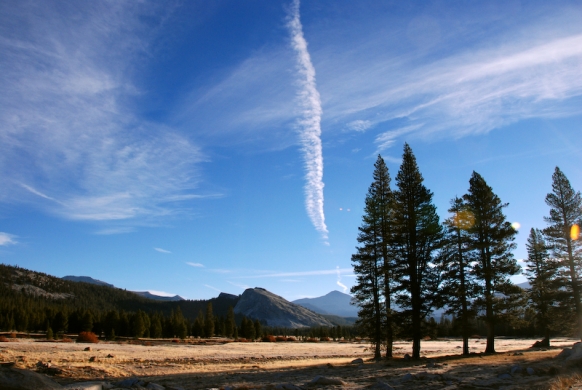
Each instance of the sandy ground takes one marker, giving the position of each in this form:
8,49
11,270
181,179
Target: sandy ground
248,365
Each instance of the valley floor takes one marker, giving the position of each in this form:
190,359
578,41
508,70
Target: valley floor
219,364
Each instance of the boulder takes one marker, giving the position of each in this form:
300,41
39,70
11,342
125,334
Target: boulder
287,386
15,379
381,386
88,386
321,380
358,361
566,352
154,386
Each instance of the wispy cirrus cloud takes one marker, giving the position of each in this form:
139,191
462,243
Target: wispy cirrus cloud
310,124
115,230
518,72
197,265
212,288
337,271
162,250
7,239
70,141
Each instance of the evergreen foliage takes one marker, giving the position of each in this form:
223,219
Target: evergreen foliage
491,238
371,262
542,273
417,237
459,289
565,215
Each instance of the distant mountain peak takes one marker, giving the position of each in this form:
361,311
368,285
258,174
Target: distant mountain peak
334,302
149,295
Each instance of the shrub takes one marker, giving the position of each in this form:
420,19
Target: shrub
281,338
269,339
13,335
312,340
87,337
67,340
3,339
325,339
177,341
291,338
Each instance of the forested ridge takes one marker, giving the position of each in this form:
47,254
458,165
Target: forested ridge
34,301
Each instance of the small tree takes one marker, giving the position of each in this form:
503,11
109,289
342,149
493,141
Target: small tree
230,325
459,288
542,273
209,321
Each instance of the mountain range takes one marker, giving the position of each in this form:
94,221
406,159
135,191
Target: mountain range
145,294
334,303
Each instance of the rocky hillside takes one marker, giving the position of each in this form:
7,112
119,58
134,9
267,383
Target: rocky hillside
273,310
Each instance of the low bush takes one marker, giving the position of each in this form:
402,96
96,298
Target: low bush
281,338
291,338
325,339
87,337
312,340
3,339
269,339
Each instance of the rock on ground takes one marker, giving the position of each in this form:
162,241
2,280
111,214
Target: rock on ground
15,379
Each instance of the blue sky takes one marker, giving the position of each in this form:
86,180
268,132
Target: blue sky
196,147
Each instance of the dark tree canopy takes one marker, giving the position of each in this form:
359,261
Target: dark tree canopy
491,237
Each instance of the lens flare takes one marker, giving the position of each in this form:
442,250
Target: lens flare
575,232
516,225
464,219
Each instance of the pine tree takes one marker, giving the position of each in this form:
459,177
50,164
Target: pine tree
368,262
563,234
380,190
417,236
492,240
542,273
458,287
230,324
209,321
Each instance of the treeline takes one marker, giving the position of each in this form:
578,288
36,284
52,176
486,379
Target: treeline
408,263
28,304
23,317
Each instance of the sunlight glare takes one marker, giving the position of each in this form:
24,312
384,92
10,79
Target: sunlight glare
464,219
516,225
575,232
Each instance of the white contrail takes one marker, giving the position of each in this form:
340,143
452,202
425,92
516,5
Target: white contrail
310,124
339,280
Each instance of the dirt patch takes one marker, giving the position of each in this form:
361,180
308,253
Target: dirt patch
218,365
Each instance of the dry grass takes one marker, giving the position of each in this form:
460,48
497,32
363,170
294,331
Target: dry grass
564,382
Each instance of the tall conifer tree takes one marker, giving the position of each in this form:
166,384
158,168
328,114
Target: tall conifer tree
459,287
492,239
563,234
372,290
417,236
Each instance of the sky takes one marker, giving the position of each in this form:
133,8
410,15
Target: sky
197,147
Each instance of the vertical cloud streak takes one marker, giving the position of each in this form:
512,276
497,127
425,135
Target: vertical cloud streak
309,124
